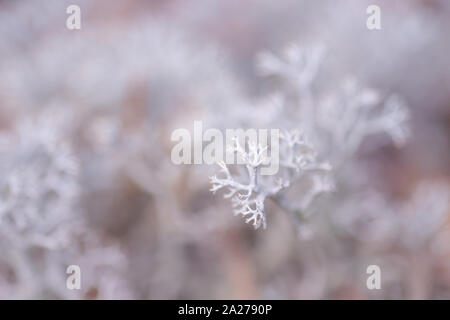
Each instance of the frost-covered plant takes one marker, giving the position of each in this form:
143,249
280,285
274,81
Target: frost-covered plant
348,118
39,190
123,103
341,119
131,79
249,191
39,184
336,123
41,228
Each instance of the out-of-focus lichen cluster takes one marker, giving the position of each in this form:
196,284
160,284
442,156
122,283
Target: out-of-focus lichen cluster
86,176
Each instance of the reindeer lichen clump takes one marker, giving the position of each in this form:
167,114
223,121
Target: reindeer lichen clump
249,191
335,123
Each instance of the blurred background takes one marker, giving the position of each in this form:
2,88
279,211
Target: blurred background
86,176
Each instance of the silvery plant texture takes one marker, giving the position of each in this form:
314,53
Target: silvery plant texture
358,120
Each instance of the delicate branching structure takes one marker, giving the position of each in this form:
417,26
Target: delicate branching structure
296,65
338,120
297,159
251,201
348,118
118,136
91,183
337,123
